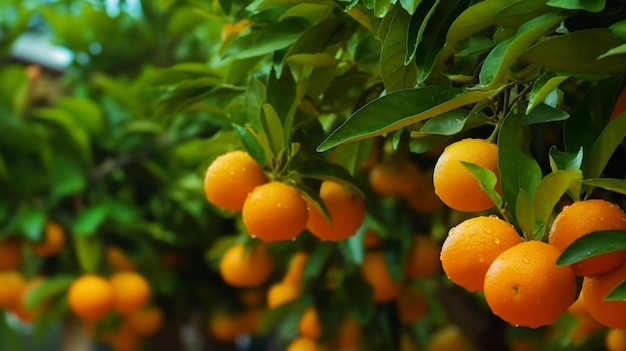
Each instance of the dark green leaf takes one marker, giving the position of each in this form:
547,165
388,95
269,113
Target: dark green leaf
400,109
611,137
328,171
448,123
520,12
255,145
566,53
487,181
593,244
353,248
226,5
88,252
614,185
543,113
396,73
31,223
271,38
586,5
619,29
618,293
518,170
88,221
543,86
495,69
565,160
9,335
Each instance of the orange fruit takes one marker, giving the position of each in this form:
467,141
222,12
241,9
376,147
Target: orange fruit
399,178
346,212
309,324
275,211
118,259
454,183
251,319
281,293
53,240
302,344
615,340
10,254
131,291
146,321
296,268
223,326
252,297
411,305
371,239
578,308
472,245
230,178
91,297
423,260
424,199
375,272
449,338
620,105
124,339
349,334
581,218
523,285
12,283
245,268
595,288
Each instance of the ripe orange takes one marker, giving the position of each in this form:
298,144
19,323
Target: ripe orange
53,240
399,178
595,288
581,218
296,268
12,283
524,286
347,212
615,340
454,183
253,297
375,272
449,338
91,297
230,178
224,326
131,291
118,259
251,319
349,334
245,268
124,339
309,324
281,293
472,245
411,305
423,260
424,199
146,321
371,239
578,308
10,254
275,211
302,344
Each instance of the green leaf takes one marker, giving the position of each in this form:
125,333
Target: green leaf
273,129
591,245
448,123
315,169
441,131
565,53
64,121
400,109
565,160
518,170
226,5
396,73
618,50
256,145
525,213
543,86
88,252
68,177
543,113
619,29
317,259
618,293
487,181
614,185
31,223
353,248
495,69
271,38
48,289
586,5
254,98
410,5
10,339
520,12
352,155
89,220
549,192
611,137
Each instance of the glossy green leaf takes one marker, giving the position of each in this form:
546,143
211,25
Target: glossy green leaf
351,156
273,37
525,213
417,25
89,220
593,244
329,171
520,12
424,141
410,5
550,190
619,29
618,50
31,223
48,289
560,160
396,73
543,86
543,113
448,123
566,54
495,69
618,293
614,185
400,109
518,169
586,5
273,129
256,145
487,181
611,137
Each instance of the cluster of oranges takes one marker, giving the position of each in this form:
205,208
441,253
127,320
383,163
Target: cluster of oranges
274,210
519,278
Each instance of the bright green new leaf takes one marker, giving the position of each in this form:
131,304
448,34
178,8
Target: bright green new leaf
48,289
487,181
586,5
543,86
611,137
89,220
593,244
273,128
560,160
400,109
618,293
550,190
619,29
525,213
396,73
495,69
614,185
618,50
31,223
89,251
353,247
410,5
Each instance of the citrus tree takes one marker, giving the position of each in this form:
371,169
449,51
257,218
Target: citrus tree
311,175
